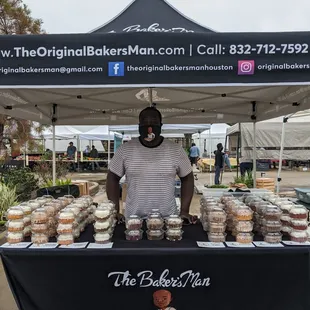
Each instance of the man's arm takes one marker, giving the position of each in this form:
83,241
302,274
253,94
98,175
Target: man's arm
112,188
187,192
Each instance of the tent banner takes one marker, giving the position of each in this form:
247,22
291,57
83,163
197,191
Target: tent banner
154,59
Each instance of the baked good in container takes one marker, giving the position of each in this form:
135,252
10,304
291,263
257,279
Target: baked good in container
217,237
15,226
174,234
244,237
65,229
134,222
14,237
273,226
154,222
216,227
39,238
15,213
299,224
286,230
65,202
102,226
299,236
39,228
174,222
299,212
244,226
157,234
244,213
41,201
65,239
102,238
272,213
34,204
102,213
50,209
27,220
26,209
273,237
27,231
133,235
69,198
66,217
217,215
285,219
39,216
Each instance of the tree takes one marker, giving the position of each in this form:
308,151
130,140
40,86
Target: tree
15,18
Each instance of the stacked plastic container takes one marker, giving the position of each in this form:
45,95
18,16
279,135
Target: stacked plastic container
299,223
174,230
65,227
134,230
15,225
271,224
39,227
103,224
155,224
27,218
243,224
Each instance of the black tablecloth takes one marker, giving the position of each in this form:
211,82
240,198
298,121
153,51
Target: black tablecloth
126,276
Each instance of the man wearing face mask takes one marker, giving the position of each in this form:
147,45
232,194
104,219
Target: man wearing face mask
150,164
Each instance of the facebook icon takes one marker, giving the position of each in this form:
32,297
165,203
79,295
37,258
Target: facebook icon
116,68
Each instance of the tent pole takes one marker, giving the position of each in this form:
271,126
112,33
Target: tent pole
109,146
210,149
254,154
281,153
54,156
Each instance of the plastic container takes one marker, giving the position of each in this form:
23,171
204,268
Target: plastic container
69,198
52,222
16,226
102,226
88,198
244,226
133,235
102,213
48,198
65,202
39,238
39,228
174,234
299,224
273,237
27,231
216,227
299,236
286,207
41,201
66,217
65,239
273,226
34,204
154,222
244,214
155,234
73,209
15,213
39,216
260,208
217,237
50,209
285,220
26,209
217,215
65,229
174,222
27,220
134,222
14,237
286,230
244,237
299,212
205,225
102,238
272,213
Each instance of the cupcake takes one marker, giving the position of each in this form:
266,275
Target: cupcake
102,238
39,216
39,228
39,238
272,213
244,237
15,237
66,217
102,213
299,236
299,213
154,222
244,226
217,237
273,237
216,227
155,234
217,215
65,239
133,235
64,229
15,213
273,226
174,234
299,224
15,226
174,222
102,226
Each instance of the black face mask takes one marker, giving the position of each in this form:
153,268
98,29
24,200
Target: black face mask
149,133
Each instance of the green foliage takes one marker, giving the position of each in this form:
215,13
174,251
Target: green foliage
22,180
59,182
8,198
218,186
247,179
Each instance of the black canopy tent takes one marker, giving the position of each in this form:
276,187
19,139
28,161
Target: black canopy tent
151,16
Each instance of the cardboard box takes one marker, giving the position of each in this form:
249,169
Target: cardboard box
83,186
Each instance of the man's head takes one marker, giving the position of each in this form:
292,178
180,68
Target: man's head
93,147
162,299
150,122
193,144
71,144
220,146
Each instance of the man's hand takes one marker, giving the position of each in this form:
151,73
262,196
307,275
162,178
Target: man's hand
120,218
189,219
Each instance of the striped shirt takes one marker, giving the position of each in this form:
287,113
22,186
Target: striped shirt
150,175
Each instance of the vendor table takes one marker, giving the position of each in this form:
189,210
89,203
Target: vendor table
127,275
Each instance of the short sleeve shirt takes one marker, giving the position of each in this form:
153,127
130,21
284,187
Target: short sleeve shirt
150,175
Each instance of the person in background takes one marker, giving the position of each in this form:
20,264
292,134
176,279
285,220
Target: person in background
226,160
194,154
94,154
219,163
151,168
246,165
87,150
71,150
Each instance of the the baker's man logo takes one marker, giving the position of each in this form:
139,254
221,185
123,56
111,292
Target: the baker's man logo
150,135
162,300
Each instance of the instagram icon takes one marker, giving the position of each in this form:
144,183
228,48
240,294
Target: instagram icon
246,67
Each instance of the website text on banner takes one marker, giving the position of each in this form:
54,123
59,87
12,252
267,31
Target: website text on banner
155,58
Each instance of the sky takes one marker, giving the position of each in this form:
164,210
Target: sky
80,16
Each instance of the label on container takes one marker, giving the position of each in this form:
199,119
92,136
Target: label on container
20,245
80,245
240,245
307,243
203,244
100,246
262,244
50,245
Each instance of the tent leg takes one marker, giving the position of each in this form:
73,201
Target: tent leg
210,149
281,154
254,154
54,156
109,147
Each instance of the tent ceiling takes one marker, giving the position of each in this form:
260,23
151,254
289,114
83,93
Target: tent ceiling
121,106
151,16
